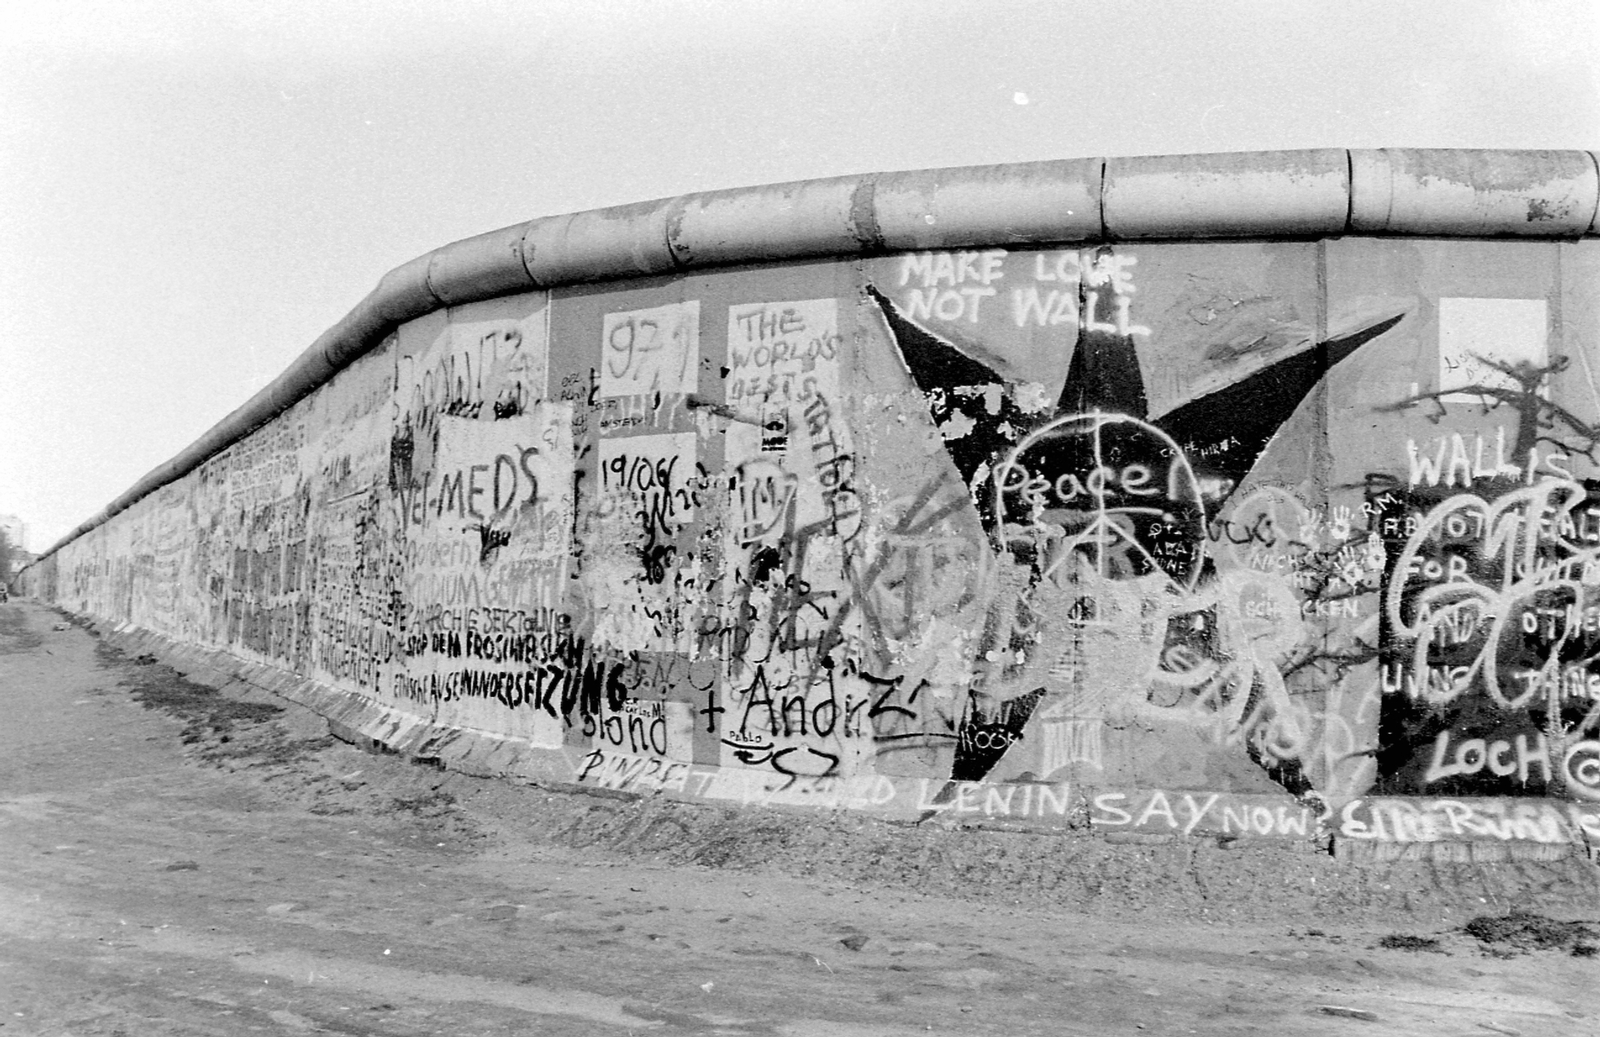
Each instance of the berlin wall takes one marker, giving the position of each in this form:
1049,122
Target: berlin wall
1242,495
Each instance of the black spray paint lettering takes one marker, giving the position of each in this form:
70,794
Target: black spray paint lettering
763,492
480,491
618,771
796,714
455,384
631,730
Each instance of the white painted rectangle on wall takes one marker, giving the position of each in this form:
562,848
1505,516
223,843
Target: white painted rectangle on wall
641,590
1476,334
781,352
649,351
504,346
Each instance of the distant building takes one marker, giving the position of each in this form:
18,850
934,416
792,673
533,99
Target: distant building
20,560
16,533
15,529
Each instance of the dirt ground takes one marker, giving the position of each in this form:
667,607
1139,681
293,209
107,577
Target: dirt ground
175,860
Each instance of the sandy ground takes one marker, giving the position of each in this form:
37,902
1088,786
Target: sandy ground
178,861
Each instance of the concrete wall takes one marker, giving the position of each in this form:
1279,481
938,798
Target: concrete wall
1260,538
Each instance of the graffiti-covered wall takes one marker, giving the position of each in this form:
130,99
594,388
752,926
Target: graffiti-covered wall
1237,537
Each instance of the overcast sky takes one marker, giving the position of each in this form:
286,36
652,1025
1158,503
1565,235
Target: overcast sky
190,193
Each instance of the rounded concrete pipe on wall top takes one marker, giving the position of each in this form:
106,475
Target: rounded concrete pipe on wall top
1031,202
1545,194
1282,193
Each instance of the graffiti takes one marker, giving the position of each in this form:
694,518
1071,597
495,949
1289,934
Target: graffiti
1216,815
1109,489
487,362
783,378
1091,289
479,491
1491,613
639,726
796,506
773,349
654,411
1466,820
1105,377
1479,339
1069,741
1452,462
650,351
1148,811
921,570
1103,607
648,496
569,682
349,587
582,393
488,634
989,799
1096,294
835,467
953,285
1045,536
1504,758
776,612
632,773
478,524
1328,553
763,492
797,722
1475,576
1580,768
1521,387
756,788
494,542
654,476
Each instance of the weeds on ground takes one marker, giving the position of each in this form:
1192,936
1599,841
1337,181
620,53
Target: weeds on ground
14,633
204,710
1521,931
1406,942
432,803
211,719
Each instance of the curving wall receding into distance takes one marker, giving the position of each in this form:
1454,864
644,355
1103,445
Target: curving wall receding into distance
1254,495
